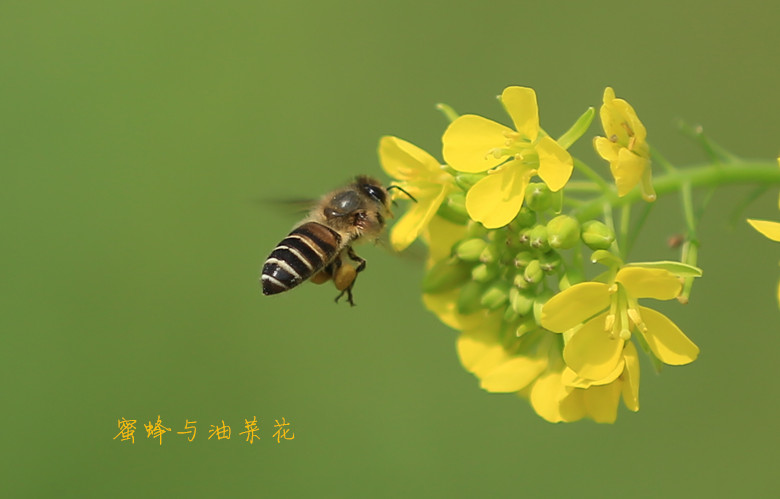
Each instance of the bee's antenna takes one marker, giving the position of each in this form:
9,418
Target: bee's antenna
402,190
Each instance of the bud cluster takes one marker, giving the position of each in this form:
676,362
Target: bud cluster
516,268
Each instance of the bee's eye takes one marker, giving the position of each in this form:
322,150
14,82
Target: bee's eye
375,192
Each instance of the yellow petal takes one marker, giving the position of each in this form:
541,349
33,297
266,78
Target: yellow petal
627,170
610,120
642,282
513,375
496,199
440,235
646,185
469,142
403,160
520,103
546,395
570,378
666,340
443,305
609,95
572,406
616,115
480,352
627,115
767,228
406,230
601,402
574,305
555,163
591,352
606,148
631,377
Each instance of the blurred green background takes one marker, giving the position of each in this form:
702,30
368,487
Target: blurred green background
136,141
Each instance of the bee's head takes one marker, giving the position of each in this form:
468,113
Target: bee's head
373,189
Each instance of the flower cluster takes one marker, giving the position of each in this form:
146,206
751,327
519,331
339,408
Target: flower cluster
508,220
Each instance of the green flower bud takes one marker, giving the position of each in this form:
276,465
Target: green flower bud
525,218
489,254
469,297
470,249
484,272
533,273
456,201
446,275
520,283
496,295
521,302
454,208
563,232
538,196
525,237
523,258
509,314
526,327
596,235
550,261
467,180
475,229
538,238
539,302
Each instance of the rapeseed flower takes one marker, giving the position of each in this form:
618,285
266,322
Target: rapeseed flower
598,319
625,146
474,144
422,177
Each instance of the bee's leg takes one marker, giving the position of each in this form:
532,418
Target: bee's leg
344,276
355,258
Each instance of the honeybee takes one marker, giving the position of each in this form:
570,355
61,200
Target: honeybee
319,247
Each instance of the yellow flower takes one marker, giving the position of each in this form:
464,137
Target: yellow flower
767,228
499,369
561,395
598,319
532,366
770,230
419,174
474,144
535,370
625,146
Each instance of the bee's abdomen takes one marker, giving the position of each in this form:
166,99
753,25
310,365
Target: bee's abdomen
299,256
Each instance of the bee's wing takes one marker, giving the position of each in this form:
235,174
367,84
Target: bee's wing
414,253
288,207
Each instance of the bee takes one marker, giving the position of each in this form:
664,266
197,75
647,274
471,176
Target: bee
319,248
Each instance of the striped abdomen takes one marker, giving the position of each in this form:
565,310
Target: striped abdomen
299,256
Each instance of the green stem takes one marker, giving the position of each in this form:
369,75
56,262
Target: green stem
690,218
646,208
582,186
625,222
690,250
661,160
592,175
742,172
